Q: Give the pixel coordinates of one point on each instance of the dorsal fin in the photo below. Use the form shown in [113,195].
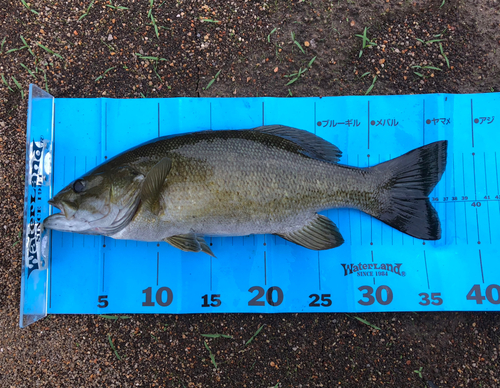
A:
[313,146]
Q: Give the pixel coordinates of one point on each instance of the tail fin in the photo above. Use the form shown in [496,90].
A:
[408,180]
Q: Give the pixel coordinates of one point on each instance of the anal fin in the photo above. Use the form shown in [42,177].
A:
[319,233]
[190,243]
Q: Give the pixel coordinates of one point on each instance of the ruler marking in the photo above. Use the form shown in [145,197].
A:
[371,218]
[423,123]
[158,119]
[74,176]
[381,224]
[465,207]
[360,218]
[263,112]
[50,272]
[157,267]
[350,227]
[455,195]
[368,125]
[349,211]
[371,230]
[498,187]
[105,127]
[426,271]
[372,262]
[103,262]
[314,125]
[481,264]
[211,273]
[446,177]
[488,202]
[211,115]
[472,121]
[319,273]
[445,225]
[474,173]
[265,269]
[475,194]
[64,168]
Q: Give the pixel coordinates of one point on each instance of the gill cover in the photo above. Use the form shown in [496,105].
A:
[98,203]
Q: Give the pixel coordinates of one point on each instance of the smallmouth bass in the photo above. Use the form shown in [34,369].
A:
[267,180]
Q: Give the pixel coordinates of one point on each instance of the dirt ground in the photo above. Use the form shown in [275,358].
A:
[97,48]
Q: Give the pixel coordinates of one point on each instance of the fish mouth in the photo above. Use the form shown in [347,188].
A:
[56,222]
[52,202]
[61,221]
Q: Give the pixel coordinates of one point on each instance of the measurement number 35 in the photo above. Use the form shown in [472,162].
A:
[435,297]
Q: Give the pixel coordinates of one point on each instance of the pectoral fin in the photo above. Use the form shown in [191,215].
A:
[318,234]
[153,183]
[190,243]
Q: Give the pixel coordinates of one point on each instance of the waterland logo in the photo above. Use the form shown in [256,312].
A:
[373,269]
[34,209]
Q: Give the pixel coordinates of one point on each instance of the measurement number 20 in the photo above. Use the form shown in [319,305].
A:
[270,296]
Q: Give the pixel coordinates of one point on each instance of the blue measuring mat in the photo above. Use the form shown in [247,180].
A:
[377,268]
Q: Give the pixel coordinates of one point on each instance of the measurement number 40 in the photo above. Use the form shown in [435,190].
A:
[476,294]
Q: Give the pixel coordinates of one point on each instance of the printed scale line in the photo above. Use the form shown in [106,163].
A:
[498,185]
[426,271]
[487,201]
[472,121]
[465,207]
[475,195]
[481,264]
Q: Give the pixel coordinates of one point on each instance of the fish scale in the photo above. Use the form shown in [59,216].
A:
[235,186]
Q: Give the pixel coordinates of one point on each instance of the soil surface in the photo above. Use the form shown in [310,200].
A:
[160,48]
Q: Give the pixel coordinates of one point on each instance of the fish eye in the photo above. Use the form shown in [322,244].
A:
[79,186]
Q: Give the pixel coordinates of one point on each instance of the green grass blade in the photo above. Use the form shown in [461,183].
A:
[292,81]
[434,41]
[212,357]
[433,68]
[28,70]
[269,36]
[371,86]
[299,46]
[255,335]
[311,61]
[444,55]
[213,80]
[113,347]
[16,49]
[217,336]
[367,323]
[17,83]
[50,51]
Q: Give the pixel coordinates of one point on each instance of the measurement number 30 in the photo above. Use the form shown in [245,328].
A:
[379,296]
